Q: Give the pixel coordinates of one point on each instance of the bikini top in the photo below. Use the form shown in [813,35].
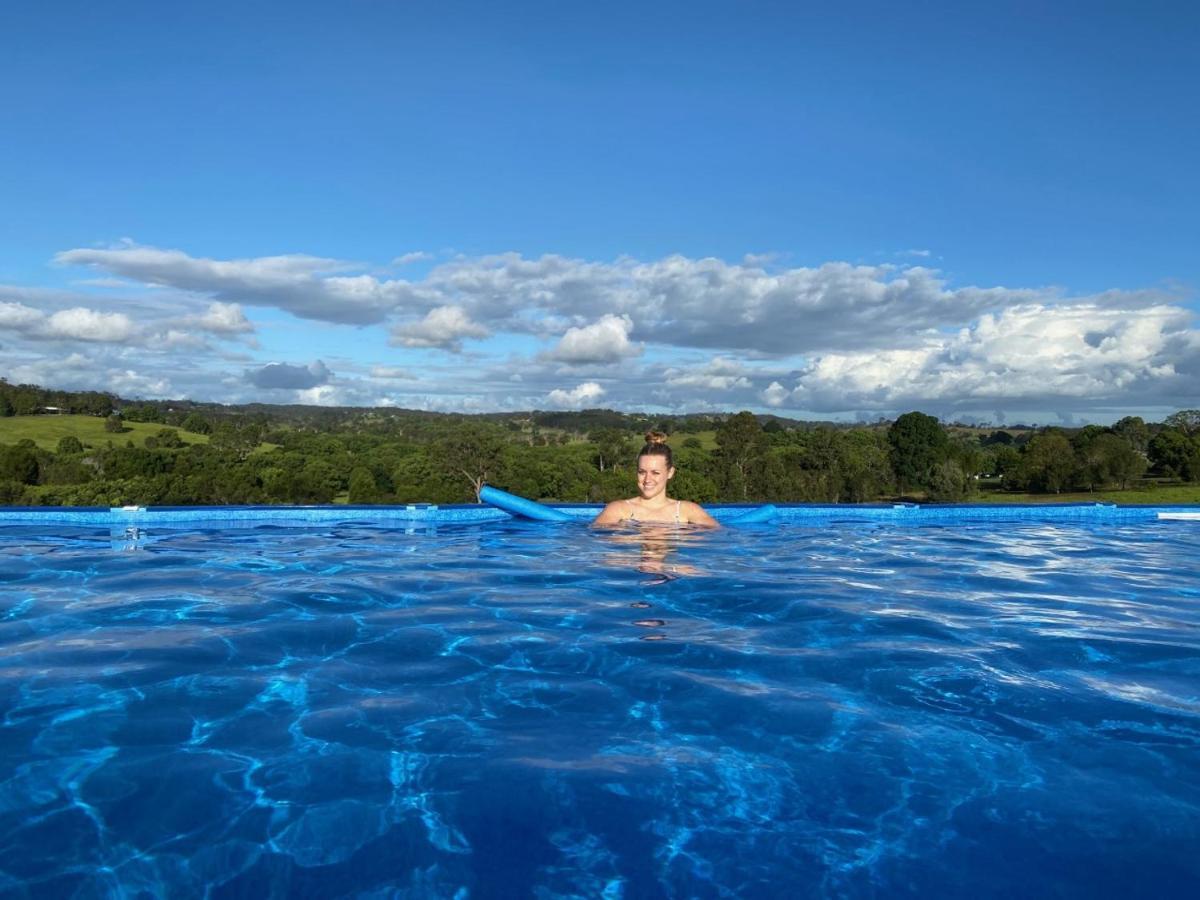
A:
[633,511]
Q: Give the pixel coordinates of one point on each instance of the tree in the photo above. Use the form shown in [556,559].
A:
[697,487]
[948,481]
[25,399]
[196,424]
[113,424]
[970,457]
[1176,454]
[143,412]
[362,486]
[1125,464]
[1191,468]
[164,439]
[68,445]
[1135,431]
[998,437]
[1005,462]
[473,450]
[1169,452]
[318,482]
[814,465]
[866,471]
[19,464]
[135,462]
[1047,462]
[238,441]
[66,472]
[740,440]
[612,447]
[1107,458]
[918,443]
[92,403]
[11,492]
[1186,420]
[6,407]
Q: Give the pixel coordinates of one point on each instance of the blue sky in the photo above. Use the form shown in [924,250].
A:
[823,210]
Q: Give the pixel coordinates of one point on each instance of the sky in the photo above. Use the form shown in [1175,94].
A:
[987,212]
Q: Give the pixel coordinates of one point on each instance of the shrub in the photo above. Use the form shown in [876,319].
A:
[19,464]
[68,445]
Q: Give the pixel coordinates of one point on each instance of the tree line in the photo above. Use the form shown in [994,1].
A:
[372,457]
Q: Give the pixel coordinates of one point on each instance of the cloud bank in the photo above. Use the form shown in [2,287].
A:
[674,334]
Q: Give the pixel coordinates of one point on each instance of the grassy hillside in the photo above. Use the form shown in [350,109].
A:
[45,431]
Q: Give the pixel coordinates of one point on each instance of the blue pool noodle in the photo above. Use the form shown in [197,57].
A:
[519,506]
[530,509]
[764,513]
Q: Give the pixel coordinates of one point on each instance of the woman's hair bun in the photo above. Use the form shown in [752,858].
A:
[655,437]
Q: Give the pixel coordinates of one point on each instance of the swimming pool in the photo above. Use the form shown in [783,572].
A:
[508,709]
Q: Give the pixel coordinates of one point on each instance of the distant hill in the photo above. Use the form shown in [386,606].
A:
[27,399]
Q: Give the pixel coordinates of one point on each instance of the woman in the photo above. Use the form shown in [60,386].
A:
[652,503]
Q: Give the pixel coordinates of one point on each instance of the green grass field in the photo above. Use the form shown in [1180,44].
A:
[1160,495]
[708,439]
[45,431]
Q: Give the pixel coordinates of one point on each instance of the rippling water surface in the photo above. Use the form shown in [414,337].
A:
[520,710]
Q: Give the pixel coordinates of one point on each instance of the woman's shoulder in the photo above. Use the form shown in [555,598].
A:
[618,504]
[694,513]
[614,511]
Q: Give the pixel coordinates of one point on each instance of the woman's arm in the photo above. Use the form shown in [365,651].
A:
[610,515]
[695,515]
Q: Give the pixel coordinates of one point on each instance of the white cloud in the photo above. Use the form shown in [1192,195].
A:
[443,327]
[721,374]
[306,286]
[48,296]
[222,319]
[410,258]
[835,339]
[577,397]
[174,339]
[57,371]
[775,394]
[19,317]
[75,324]
[392,372]
[1031,355]
[82,324]
[116,283]
[759,260]
[321,395]
[151,332]
[708,303]
[99,370]
[129,383]
[604,341]
[700,303]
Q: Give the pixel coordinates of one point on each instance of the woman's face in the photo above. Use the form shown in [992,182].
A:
[652,475]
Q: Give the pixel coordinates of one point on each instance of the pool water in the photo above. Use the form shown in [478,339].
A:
[521,710]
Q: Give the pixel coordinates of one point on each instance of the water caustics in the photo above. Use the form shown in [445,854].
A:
[508,709]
